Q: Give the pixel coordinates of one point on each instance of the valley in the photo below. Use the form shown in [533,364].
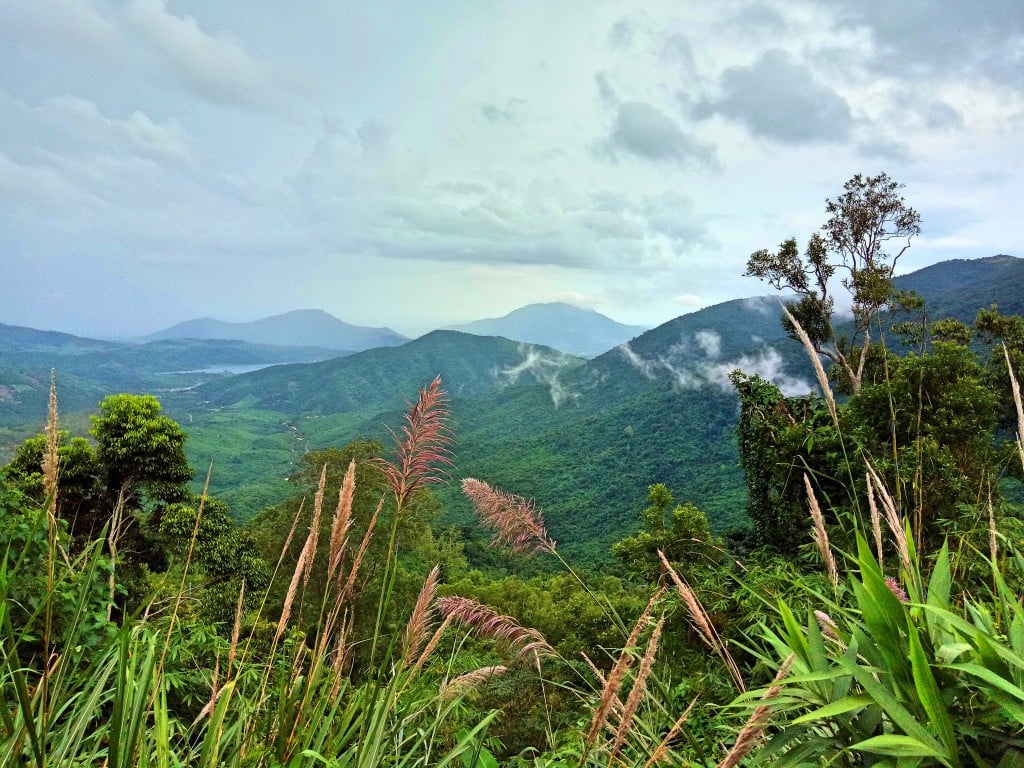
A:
[585,438]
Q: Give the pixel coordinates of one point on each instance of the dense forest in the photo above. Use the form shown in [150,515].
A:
[848,593]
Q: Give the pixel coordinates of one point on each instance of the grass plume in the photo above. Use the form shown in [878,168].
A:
[517,523]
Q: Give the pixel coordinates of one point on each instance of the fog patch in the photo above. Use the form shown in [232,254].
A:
[689,371]
[710,343]
[544,368]
[766,305]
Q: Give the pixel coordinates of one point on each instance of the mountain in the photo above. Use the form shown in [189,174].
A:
[300,328]
[17,339]
[960,287]
[384,377]
[585,438]
[88,369]
[581,332]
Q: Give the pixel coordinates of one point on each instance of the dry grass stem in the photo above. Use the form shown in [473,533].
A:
[293,586]
[876,522]
[236,629]
[820,535]
[422,448]
[993,548]
[700,621]
[754,728]
[467,681]
[432,644]
[51,457]
[819,370]
[342,519]
[636,693]
[314,527]
[892,519]
[517,523]
[1015,387]
[661,751]
[357,562]
[609,694]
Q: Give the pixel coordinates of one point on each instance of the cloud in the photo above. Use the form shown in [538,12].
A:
[509,112]
[687,371]
[622,33]
[710,343]
[963,38]
[158,141]
[606,91]
[354,200]
[70,24]
[218,68]
[646,132]
[575,298]
[766,305]
[780,99]
[760,17]
[884,149]
[689,300]
[545,368]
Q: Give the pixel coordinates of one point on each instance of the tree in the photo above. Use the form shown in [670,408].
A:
[680,531]
[80,480]
[141,452]
[868,219]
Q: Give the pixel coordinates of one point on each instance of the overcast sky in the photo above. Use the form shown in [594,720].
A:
[415,164]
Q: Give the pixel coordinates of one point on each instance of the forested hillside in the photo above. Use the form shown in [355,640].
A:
[580,612]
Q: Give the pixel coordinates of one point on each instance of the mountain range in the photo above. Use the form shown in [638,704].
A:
[574,330]
[299,328]
[585,438]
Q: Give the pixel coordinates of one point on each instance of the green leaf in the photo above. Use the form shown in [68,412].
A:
[844,705]
[941,580]
[895,745]
[900,716]
[928,692]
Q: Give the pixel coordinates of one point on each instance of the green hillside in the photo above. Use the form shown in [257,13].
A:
[584,438]
[960,287]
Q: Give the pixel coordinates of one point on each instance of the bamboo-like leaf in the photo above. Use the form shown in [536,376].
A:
[900,716]
[209,757]
[895,745]
[990,677]
[929,694]
[941,580]
[840,707]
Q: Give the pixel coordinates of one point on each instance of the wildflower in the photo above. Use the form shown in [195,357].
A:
[895,587]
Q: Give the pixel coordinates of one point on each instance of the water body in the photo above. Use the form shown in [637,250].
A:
[232,368]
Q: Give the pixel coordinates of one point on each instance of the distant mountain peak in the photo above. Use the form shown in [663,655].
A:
[556,324]
[299,327]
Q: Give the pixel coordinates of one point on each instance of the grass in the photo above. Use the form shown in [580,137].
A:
[893,665]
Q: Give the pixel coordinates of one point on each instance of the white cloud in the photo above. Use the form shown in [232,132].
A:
[159,141]
[544,368]
[689,300]
[216,67]
[686,372]
[710,343]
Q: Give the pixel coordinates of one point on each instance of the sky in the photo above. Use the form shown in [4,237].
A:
[418,164]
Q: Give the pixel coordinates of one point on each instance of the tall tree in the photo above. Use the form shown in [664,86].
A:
[869,228]
[141,451]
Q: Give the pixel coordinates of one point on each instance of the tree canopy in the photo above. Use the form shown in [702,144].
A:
[869,228]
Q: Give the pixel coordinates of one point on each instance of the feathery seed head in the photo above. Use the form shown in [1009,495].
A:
[517,523]
[422,448]
[522,641]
